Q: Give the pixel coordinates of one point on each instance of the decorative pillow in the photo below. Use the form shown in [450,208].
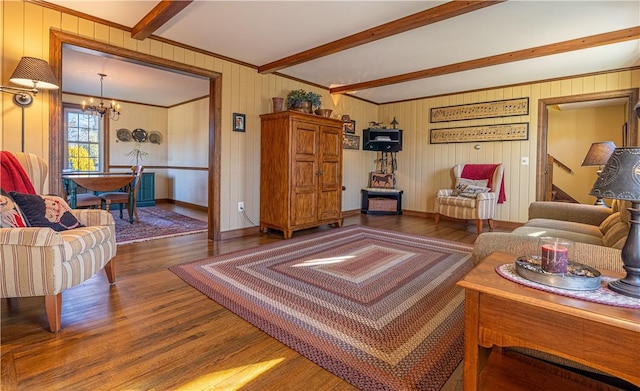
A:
[472,182]
[46,211]
[619,231]
[471,191]
[10,213]
[610,222]
[458,189]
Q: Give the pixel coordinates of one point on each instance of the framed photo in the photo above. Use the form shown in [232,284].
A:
[349,127]
[239,122]
[350,141]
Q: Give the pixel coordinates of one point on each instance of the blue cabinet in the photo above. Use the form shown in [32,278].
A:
[146,193]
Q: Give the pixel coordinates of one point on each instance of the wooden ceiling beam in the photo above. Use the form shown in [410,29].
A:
[420,19]
[623,35]
[159,15]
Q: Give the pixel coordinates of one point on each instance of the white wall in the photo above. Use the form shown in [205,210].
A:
[188,146]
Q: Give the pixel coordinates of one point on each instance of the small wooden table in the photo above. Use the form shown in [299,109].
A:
[99,182]
[499,312]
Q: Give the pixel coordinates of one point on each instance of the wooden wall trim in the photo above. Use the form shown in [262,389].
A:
[58,38]
[630,94]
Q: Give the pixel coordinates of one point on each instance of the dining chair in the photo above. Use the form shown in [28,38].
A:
[89,200]
[122,197]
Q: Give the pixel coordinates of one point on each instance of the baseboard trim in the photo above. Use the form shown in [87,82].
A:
[501,224]
[182,203]
[240,232]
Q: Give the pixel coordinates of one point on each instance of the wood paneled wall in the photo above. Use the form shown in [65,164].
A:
[25,32]
[424,168]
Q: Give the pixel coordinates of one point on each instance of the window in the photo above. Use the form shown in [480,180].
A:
[84,137]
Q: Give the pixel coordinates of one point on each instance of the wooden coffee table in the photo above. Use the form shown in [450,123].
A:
[502,313]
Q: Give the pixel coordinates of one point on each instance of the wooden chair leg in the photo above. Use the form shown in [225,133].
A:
[53,307]
[110,269]
[479,226]
[437,218]
[491,225]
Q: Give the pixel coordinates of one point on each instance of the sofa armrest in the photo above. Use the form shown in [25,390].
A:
[30,236]
[444,192]
[598,257]
[578,213]
[30,262]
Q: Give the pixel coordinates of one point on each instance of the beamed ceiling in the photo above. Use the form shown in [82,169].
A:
[379,51]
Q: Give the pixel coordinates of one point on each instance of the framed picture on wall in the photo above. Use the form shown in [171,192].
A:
[349,127]
[238,122]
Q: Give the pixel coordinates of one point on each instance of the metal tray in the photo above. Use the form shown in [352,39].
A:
[579,277]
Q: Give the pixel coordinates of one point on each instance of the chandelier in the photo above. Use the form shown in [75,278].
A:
[112,111]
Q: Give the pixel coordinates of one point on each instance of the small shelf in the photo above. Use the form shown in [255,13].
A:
[381,201]
[385,140]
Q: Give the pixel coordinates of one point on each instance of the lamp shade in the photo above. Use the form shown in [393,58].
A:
[599,153]
[620,178]
[34,73]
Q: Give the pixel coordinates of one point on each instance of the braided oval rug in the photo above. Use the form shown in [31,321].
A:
[379,309]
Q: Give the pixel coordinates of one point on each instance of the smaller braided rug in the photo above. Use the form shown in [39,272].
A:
[379,309]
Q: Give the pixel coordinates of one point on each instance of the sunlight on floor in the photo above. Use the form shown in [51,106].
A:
[230,379]
[324,261]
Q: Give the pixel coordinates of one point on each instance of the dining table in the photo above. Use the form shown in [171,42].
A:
[100,182]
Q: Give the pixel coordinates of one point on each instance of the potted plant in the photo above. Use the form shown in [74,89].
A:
[301,100]
[315,100]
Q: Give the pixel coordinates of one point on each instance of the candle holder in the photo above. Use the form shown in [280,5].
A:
[554,254]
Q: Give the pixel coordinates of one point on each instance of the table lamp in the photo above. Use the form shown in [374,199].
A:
[598,155]
[620,179]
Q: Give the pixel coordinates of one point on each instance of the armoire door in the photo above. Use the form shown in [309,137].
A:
[305,173]
[330,181]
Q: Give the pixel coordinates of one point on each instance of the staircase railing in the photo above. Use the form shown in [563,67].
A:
[551,161]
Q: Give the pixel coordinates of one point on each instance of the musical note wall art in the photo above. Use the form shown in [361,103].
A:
[498,108]
[468,134]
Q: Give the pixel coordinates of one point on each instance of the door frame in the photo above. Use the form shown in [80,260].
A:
[56,41]
[630,94]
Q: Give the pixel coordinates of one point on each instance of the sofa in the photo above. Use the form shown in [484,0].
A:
[598,233]
[44,261]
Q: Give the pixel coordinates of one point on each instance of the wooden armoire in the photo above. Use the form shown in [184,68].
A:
[300,171]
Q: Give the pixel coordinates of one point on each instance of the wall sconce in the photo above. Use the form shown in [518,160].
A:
[32,74]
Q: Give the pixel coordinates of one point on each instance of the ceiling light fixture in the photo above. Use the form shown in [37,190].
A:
[112,111]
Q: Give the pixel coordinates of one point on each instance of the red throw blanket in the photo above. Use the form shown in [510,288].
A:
[484,171]
[12,175]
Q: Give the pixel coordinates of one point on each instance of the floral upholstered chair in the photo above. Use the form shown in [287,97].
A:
[46,247]
[475,195]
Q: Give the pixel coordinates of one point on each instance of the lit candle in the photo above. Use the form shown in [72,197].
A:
[555,258]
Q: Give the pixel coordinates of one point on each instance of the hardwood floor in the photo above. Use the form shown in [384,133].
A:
[153,331]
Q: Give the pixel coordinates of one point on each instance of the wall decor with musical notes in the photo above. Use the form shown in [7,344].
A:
[469,134]
[498,108]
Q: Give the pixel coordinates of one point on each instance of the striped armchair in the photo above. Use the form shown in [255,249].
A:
[42,262]
[478,207]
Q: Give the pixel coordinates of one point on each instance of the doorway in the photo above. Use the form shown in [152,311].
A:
[631,97]
[56,144]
